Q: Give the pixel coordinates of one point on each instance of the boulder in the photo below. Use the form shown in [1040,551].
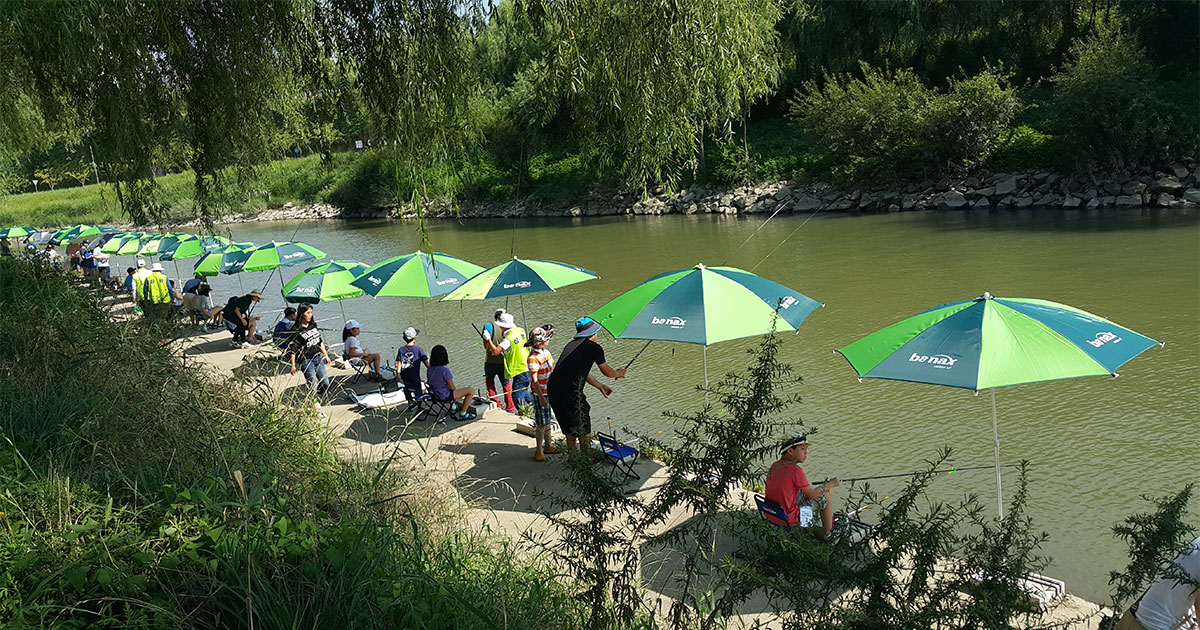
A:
[951,200]
[1007,186]
[783,193]
[1179,170]
[1192,195]
[1170,185]
[1024,201]
[1111,187]
[893,208]
[805,202]
[576,212]
[1129,200]
[1093,203]
[1053,178]
[691,209]
[1071,202]
[1134,188]
[986,192]
[741,201]
[725,200]
[983,203]
[1007,201]
[1046,200]
[1106,200]
[1164,200]
[908,202]
[842,204]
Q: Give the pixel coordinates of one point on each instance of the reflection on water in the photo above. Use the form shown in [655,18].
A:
[1094,444]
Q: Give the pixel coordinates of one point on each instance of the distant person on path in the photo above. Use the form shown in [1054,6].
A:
[571,371]
[103,268]
[1170,603]
[541,365]
[441,383]
[788,486]
[240,321]
[130,283]
[512,349]
[307,350]
[73,255]
[353,349]
[52,255]
[409,358]
[158,295]
[493,364]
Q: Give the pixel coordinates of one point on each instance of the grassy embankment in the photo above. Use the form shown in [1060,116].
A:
[358,180]
[135,492]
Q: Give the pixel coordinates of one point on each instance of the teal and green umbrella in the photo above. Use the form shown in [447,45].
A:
[325,282]
[180,247]
[991,342]
[270,256]
[519,277]
[76,232]
[151,246]
[418,274]
[209,264]
[128,243]
[16,232]
[704,305]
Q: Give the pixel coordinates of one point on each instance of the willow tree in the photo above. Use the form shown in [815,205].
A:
[644,81]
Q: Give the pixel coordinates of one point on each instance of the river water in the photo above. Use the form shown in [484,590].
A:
[1094,444]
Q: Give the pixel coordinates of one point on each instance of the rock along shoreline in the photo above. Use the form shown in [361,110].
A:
[1179,188]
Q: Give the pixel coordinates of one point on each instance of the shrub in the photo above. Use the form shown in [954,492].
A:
[888,125]
[1106,106]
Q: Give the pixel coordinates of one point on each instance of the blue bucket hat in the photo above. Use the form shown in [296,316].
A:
[586,327]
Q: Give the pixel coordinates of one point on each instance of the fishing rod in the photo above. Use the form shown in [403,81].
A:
[639,353]
[785,239]
[755,232]
[913,474]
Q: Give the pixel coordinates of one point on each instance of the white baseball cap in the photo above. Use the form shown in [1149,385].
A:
[410,333]
[353,324]
[156,267]
[141,262]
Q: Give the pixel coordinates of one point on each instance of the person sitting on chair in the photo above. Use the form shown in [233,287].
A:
[788,486]
[284,327]
[441,383]
[409,358]
[1170,602]
[354,350]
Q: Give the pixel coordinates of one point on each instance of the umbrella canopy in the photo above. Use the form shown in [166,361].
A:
[270,256]
[151,246]
[76,232]
[325,282]
[704,305]
[127,243]
[179,247]
[418,274]
[210,263]
[16,232]
[990,342]
[518,277]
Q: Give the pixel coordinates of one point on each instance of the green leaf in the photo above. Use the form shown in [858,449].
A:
[77,576]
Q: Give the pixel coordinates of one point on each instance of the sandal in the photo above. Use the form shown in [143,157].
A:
[463,416]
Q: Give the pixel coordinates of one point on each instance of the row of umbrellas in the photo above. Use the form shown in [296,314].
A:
[977,344]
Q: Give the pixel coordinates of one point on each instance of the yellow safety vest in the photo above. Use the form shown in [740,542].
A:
[139,283]
[517,354]
[158,290]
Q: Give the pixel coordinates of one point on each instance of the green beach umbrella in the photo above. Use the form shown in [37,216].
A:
[150,246]
[418,274]
[76,232]
[209,264]
[704,305]
[189,246]
[126,243]
[519,277]
[269,256]
[324,283]
[16,232]
[991,342]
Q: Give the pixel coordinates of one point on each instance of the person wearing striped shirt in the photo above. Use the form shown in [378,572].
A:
[541,364]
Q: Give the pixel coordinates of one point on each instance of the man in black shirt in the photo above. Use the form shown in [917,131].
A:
[243,324]
[571,371]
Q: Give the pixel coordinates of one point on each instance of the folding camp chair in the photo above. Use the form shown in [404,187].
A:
[425,406]
[767,507]
[621,455]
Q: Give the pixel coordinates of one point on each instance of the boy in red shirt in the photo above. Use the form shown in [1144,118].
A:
[786,483]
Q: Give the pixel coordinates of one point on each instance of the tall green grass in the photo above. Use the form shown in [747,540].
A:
[137,492]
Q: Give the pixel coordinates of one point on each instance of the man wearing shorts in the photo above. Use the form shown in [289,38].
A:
[788,486]
[566,383]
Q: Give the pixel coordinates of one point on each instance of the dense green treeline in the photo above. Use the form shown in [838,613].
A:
[540,97]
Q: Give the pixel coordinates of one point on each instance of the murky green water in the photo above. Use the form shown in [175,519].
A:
[1095,444]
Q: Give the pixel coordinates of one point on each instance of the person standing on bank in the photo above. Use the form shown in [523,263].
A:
[493,364]
[541,366]
[565,385]
[788,486]
[307,348]
[515,354]
[158,294]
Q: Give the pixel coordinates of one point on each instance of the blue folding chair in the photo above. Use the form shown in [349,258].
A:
[424,405]
[621,455]
[767,507]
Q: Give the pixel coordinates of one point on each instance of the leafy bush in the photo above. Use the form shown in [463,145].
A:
[1105,96]
[886,126]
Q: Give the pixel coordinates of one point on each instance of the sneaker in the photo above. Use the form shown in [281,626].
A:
[551,450]
[245,345]
[539,456]
[254,341]
[463,416]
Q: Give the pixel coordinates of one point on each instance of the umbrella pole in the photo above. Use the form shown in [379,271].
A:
[996,439]
[241,289]
[424,318]
[343,310]
[524,320]
[705,351]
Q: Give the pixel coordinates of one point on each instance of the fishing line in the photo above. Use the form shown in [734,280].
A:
[764,224]
[785,239]
[913,474]
[639,353]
